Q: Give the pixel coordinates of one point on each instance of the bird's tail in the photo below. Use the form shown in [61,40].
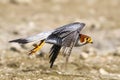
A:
[54,53]
[21,41]
[38,37]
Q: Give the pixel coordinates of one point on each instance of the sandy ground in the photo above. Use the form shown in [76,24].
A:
[22,18]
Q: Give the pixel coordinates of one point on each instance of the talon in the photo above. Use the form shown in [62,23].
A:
[37,47]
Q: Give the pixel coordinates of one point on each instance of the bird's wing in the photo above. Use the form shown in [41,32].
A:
[65,33]
[38,37]
[69,39]
[69,27]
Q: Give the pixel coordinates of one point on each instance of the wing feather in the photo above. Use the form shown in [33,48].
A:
[66,32]
[54,53]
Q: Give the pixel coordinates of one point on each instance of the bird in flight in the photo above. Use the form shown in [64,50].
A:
[65,37]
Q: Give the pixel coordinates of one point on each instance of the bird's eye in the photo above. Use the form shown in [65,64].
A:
[87,39]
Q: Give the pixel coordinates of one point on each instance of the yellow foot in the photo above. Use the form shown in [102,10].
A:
[37,47]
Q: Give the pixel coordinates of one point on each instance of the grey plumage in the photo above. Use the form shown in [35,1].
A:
[65,33]
[65,36]
[38,37]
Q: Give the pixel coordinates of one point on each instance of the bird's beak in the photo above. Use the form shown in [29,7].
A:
[91,41]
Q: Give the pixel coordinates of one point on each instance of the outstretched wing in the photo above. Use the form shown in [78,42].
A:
[66,33]
[38,37]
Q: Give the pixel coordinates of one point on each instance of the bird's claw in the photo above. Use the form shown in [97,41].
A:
[37,47]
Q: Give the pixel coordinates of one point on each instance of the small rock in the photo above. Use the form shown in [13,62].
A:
[84,55]
[103,72]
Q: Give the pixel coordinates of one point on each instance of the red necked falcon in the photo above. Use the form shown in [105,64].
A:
[65,37]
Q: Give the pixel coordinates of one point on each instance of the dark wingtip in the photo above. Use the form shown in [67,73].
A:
[21,41]
[53,54]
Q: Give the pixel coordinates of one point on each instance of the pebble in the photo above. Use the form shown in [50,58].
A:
[84,55]
[103,72]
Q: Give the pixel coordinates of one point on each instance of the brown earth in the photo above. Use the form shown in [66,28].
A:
[22,18]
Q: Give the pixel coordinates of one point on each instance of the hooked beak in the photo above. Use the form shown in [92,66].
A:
[90,42]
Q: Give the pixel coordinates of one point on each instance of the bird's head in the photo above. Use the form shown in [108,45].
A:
[85,39]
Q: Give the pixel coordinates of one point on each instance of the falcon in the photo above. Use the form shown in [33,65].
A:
[65,37]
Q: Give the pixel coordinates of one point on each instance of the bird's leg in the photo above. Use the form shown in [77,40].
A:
[37,47]
[68,54]
[64,50]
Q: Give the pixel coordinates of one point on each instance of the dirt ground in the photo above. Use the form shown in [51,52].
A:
[22,18]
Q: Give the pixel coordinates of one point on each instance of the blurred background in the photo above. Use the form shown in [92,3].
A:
[23,18]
